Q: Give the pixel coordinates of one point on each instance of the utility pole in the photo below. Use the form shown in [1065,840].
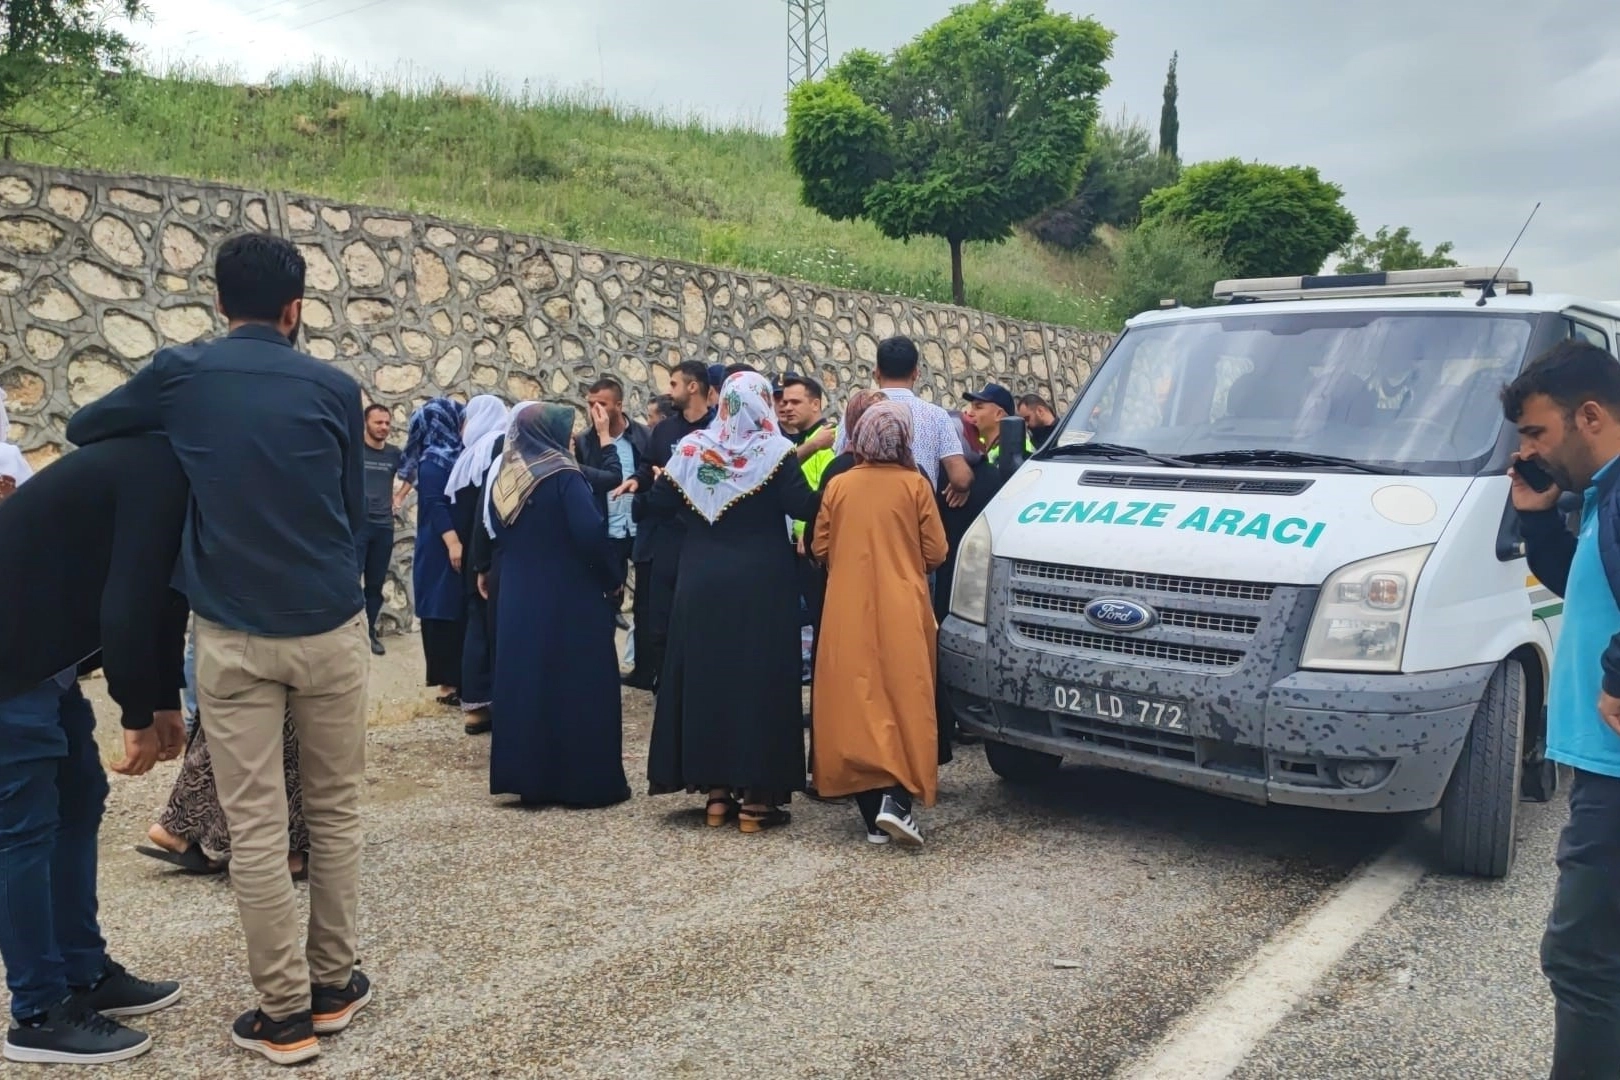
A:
[807,40]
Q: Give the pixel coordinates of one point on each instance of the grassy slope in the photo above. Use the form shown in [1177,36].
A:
[556,167]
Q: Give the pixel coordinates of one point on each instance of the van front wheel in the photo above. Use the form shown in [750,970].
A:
[1480,809]
[1018,765]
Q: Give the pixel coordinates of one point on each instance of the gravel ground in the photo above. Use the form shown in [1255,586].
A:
[635,942]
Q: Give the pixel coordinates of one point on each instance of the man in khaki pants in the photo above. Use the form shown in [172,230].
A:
[272,442]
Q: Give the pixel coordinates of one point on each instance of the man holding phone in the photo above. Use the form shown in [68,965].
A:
[1566,406]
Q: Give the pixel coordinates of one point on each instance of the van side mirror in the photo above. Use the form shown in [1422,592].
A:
[1012,442]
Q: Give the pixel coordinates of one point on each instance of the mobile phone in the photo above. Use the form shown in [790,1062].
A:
[1531,472]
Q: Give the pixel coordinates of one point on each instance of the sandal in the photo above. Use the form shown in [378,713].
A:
[720,811]
[478,722]
[753,821]
[451,700]
[190,861]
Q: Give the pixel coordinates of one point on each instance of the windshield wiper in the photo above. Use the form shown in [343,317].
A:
[1272,456]
[1112,450]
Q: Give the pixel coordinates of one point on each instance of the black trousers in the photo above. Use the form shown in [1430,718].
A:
[1580,953]
[870,802]
[374,549]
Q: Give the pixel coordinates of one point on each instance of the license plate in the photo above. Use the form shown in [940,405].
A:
[1119,708]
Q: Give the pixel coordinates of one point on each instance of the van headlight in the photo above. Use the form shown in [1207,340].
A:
[1362,614]
[970,589]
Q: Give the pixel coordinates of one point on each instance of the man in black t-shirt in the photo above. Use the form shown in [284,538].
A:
[374,545]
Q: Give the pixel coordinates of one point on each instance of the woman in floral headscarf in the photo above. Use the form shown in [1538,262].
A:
[879,532]
[431,450]
[729,718]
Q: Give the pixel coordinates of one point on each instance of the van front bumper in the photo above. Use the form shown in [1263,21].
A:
[1369,743]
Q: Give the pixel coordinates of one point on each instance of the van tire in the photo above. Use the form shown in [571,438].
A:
[1479,811]
[1016,765]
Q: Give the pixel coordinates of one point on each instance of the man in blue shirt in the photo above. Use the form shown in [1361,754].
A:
[1566,406]
[272,442]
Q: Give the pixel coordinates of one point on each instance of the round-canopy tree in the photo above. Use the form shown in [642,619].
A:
[978,124]
[1265,220]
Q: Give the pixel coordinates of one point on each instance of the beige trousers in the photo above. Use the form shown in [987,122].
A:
[245,685]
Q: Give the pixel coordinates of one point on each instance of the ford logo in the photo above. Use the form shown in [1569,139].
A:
[1113,613]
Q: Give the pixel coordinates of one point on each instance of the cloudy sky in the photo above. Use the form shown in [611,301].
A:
[1452,118]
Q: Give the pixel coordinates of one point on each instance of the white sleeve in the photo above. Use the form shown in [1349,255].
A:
[14,465]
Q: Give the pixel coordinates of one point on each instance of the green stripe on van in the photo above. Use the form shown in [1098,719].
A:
[1549,611]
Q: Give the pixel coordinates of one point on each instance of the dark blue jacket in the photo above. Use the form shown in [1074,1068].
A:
[1549,548]
[434,582]
[271,441]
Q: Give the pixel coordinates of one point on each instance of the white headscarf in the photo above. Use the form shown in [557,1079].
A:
[484,422]
[12,463]
[495,466]
[734,456]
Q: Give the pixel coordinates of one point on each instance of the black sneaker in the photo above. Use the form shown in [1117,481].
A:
[899,823]
[121,994]
[285,1042]
[377,646]
[334,1007]
[70,1034]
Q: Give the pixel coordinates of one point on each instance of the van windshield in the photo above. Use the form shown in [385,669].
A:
[1415,391]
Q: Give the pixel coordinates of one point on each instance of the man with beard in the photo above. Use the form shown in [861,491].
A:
[689,389]
[1566,406]
[1040,419]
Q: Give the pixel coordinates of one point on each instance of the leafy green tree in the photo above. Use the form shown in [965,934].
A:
[976,125]
[1392,251]
[1169,117]
[1168,261]
[60,56]
[1120,170]
[1265,220]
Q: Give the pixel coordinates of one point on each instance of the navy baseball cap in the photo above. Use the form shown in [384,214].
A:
[717,376]
[995,394]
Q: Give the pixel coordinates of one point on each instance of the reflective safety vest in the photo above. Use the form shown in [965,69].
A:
[813,467]
[995,451]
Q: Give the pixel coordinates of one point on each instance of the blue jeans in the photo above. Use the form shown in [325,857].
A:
[52,794]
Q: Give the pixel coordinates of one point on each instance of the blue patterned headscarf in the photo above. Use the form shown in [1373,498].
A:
[435,435]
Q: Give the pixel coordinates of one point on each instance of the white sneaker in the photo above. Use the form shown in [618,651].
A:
[899,824]
[878,837]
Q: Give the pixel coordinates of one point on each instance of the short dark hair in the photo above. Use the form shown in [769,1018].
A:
[740,367]
[607,382]
[810,385]
[695,370]
[1035,401]
[664,404]
[257,276]
[1571,373]
[897,358]
[377,408]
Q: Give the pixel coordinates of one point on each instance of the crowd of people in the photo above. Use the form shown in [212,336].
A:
[219,546]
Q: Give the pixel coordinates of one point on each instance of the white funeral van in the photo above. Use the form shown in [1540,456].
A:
[1270,554]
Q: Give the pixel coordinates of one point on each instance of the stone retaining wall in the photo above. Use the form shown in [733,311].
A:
[98,271]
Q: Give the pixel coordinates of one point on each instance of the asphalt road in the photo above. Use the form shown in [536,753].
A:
[1053,933]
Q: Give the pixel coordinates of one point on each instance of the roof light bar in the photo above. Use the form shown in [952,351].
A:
[1381,283]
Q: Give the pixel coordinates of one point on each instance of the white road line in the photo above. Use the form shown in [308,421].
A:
[1213,1040]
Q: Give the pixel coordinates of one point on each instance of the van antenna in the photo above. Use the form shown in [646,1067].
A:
[1490,286]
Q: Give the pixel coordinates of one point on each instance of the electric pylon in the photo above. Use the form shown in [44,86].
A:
[807,40]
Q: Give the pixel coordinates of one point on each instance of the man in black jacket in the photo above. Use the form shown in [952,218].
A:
[608,451]
[689,389]
[86,551]
[272,442]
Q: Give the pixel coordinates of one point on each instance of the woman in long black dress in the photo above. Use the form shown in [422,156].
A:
[431,450]
[558,735]
[481,431]
[728,717]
